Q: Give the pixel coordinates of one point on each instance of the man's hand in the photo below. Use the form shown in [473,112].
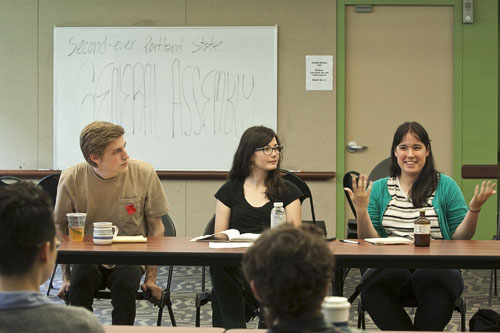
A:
[156,292]
[63,292]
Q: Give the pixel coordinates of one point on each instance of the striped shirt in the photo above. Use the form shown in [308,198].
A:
[400,215]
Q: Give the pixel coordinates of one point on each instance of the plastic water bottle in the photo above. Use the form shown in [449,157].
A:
[278,215]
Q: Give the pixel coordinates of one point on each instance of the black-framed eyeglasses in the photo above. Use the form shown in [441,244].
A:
[267,150]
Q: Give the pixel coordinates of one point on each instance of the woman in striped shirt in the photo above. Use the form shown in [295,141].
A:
[389,207]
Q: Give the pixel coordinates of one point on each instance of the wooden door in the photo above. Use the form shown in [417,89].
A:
[399,67]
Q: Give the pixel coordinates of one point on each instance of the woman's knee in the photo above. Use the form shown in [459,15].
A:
[448,280]
[390,283]
[390,279]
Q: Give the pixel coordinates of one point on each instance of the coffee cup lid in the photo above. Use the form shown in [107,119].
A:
[336,301]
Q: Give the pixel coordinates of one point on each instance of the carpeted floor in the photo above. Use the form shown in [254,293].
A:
[187,281]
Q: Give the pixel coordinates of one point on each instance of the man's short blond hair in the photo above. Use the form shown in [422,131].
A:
[96,136]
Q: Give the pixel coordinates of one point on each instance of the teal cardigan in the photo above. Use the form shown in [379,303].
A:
[449,204]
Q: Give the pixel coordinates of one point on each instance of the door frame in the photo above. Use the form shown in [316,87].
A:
[340,67]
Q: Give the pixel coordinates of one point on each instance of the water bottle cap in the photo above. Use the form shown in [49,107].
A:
[278,204]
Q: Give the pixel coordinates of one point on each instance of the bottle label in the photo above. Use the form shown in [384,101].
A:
[422,229]
[278,217]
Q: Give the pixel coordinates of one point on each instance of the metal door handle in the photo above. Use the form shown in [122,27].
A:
[353,147]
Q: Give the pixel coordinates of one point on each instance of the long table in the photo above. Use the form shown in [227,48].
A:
[479,254]
[157,251]
[476,254]
[164,329]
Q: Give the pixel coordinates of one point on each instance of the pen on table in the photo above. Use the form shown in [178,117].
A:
[349,241]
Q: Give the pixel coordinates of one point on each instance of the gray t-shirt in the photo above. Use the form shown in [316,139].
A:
[25,311]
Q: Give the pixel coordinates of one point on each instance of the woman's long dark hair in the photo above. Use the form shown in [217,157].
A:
[253,138]
[426,182]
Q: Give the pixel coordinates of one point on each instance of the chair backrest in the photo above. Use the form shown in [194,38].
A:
[347,183]
[381,170]
[7,180]
[306,192]
[210,228]
[320,224]
[49,184]
[169,226]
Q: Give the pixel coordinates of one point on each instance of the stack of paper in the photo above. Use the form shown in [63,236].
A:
[229,245]
[389,241]
[130,239]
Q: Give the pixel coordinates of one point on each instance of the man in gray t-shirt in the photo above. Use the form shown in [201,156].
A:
[29,251]
[111,187]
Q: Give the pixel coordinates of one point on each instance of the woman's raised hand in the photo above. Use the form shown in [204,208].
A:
[481,195]
[360,193]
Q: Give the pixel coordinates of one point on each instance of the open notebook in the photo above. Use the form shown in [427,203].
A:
[230,235]
[389,241]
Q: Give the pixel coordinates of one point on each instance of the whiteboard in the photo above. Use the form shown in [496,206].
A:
[183,95]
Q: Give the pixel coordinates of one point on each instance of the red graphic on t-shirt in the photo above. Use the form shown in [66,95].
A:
[131,209]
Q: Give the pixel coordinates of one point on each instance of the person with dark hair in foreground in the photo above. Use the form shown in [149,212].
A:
[289,270]
[27,258]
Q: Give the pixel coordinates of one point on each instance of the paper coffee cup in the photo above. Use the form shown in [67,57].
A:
[336,310]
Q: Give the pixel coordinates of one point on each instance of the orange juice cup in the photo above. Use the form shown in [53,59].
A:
[76,226]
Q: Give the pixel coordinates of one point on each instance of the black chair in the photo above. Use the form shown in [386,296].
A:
[166,300]
[352,225]
[49,184]
[204,296]
[7,180]
[493,274]
[381,170]
[493,279]
[306,192]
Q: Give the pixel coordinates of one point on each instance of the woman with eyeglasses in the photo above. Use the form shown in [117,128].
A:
[244,203]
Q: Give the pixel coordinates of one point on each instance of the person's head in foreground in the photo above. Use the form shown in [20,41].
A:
[289,270]
[103,146]
[27,235]
[27,258]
